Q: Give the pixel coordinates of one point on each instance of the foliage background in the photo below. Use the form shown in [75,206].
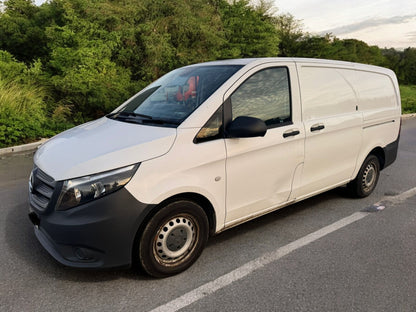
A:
[69,61]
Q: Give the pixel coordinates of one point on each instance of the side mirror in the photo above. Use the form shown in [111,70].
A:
[246,127]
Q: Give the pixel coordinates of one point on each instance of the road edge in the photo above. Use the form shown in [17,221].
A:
[24,148]
[408,116]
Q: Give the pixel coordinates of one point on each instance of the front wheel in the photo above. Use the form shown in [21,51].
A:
[367,178]
[173,239]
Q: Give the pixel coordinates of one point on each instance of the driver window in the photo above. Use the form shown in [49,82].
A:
[265,95]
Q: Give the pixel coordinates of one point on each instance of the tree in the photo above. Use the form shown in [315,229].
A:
[84,77]
[315,46]
[392,59]
[22,28]
[407,66]
[290,32]
[248,32]
[178,33]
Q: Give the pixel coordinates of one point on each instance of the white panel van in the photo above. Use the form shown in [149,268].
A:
[207,147]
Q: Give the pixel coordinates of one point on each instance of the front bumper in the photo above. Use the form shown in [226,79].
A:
[98,234]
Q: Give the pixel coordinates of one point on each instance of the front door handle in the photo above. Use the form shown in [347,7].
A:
[290,133]
[317,127]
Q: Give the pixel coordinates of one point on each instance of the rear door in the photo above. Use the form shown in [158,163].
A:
[261,170]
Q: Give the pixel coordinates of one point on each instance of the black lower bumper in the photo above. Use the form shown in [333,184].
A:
[98,234]
[390,152]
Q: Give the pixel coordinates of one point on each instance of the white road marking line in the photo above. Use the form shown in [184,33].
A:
[398,198]
[249,267]
[244,270]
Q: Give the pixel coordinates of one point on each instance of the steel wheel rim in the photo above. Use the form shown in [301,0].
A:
[369,177]
[175,239]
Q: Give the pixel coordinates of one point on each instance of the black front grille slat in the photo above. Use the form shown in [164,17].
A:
[40,201]
[42,176]
[43,189]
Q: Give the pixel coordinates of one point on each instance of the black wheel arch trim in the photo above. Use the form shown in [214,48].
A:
[194,197]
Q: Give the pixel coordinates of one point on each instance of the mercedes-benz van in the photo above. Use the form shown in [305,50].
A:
[207,147]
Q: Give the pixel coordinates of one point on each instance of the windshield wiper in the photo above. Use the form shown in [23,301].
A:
[124,115]
[141,118]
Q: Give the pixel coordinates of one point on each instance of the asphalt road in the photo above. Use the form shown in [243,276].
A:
[365,262]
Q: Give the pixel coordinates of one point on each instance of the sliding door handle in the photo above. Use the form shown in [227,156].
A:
[317,127]
[290,133]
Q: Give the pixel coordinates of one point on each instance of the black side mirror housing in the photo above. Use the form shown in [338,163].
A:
[246,127]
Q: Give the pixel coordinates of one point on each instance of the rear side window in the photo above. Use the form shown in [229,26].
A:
[326,92]
[265,95]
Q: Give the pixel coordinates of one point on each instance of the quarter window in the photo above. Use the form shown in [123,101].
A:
[265,95]
[212,130]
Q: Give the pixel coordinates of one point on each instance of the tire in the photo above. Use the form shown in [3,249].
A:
[173,239]
[367,178]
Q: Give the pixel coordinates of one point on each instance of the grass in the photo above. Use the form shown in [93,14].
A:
[408,95]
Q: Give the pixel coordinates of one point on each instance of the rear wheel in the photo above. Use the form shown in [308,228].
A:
[173,239]
[367,178]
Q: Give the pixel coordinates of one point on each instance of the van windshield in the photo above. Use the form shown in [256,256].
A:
[171,99]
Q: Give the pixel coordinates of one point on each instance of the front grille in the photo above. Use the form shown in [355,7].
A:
[42,187]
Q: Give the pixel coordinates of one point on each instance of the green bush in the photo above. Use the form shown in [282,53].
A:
[10,69]
[22,113]
[408,95]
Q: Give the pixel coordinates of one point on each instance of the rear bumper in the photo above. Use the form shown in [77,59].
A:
[390,152]
[99,234]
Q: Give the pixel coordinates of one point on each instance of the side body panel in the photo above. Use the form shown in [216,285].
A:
[187,168]
[261,170]
[379,102]
[245,178]
[333,127]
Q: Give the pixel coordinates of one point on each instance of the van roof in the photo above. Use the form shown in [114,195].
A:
[253,61]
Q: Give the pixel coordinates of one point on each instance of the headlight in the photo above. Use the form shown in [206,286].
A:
[81,190]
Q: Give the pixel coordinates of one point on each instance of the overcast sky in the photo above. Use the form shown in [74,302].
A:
[386,23]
